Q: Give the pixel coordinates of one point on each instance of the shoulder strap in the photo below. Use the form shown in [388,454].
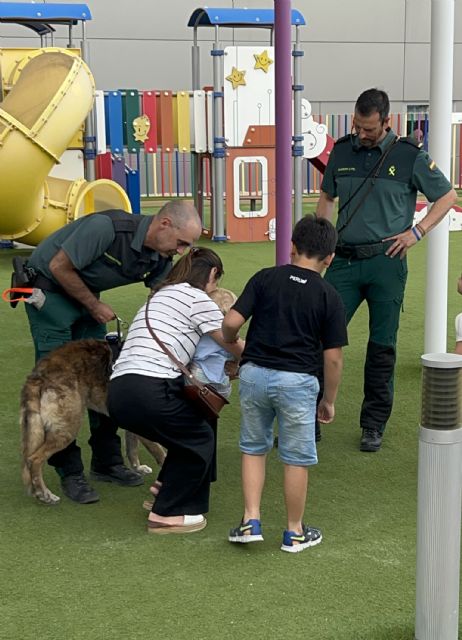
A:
[412,141]
[167,351]
[121,220]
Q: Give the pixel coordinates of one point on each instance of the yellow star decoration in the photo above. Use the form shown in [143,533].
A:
[263,61]
[236,78]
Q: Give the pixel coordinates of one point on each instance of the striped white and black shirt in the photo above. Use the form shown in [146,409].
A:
[180,315]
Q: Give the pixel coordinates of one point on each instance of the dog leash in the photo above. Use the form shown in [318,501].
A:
[120,324]
[116,337]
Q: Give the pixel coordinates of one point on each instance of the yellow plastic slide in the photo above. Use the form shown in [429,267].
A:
[50,99]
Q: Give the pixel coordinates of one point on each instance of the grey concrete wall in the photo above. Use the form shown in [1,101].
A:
[348,46]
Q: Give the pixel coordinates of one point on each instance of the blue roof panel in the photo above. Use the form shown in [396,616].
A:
[49,13]
[208,17]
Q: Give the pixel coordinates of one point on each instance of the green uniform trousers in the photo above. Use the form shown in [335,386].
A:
[380,281]
[61,320]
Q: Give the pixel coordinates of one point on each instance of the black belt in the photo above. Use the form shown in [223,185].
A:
[44,283]
[362,251]
[25,276]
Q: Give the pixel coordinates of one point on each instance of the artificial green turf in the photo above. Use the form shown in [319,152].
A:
[92,572]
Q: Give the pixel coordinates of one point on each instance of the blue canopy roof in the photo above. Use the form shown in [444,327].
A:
[25,12]
[209,17]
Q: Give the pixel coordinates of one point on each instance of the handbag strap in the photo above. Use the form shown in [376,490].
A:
[167,351]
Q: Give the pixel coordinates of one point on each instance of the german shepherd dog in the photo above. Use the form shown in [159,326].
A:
[54,398]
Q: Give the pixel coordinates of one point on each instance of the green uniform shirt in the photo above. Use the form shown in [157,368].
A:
[86,241]
[389,207]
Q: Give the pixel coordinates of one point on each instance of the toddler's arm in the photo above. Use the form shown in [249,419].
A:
[234,348]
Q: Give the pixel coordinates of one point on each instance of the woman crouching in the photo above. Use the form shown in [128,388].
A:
[145,391]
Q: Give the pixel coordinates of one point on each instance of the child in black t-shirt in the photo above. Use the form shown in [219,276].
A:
[294,314]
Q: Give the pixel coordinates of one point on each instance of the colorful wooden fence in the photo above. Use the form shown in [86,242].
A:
[150,136]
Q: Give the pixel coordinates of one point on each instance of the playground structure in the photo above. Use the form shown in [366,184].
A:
[243,122]
[49,132]
[47,95]
[226,133]
[214,143]
[228,130]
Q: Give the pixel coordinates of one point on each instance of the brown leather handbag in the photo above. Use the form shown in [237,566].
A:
[205,398]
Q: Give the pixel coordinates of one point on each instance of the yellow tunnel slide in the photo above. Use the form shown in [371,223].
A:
[50,99]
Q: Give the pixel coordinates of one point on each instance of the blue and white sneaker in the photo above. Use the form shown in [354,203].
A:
[296,542]
[249,531]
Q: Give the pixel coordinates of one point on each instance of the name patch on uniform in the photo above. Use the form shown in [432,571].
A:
[346,169]
[297,279]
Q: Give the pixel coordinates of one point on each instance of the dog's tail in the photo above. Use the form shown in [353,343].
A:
[32,427]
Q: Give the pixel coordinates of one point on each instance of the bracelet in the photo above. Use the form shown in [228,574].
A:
[421,229]
[416,233]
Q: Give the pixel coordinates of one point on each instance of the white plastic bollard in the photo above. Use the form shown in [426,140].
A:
[439,499]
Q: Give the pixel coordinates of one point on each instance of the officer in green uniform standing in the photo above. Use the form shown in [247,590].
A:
[68,270]
[376,176]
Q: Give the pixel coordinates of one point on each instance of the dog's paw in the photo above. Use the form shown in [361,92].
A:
[48,498]
[143,468]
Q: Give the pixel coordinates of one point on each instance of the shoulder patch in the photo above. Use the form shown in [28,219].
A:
[412,141]
[346,138]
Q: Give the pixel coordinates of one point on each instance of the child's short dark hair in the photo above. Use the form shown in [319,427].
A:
[314,237]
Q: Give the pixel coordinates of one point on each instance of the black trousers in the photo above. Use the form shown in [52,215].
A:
[380,281]
[156,409]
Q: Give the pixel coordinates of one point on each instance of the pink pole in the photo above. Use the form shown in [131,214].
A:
[283,88]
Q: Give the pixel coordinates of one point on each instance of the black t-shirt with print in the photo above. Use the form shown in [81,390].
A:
[294,314]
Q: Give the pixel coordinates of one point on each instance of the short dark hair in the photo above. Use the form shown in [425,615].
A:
[314,237]
[194,268]
[373,100]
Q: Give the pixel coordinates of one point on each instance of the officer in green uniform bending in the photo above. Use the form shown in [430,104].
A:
[71,267]
[376,176]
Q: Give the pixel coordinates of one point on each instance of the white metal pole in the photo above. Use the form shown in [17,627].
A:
[441,79]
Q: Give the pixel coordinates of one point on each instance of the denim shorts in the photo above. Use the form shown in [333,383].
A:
[266,394]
